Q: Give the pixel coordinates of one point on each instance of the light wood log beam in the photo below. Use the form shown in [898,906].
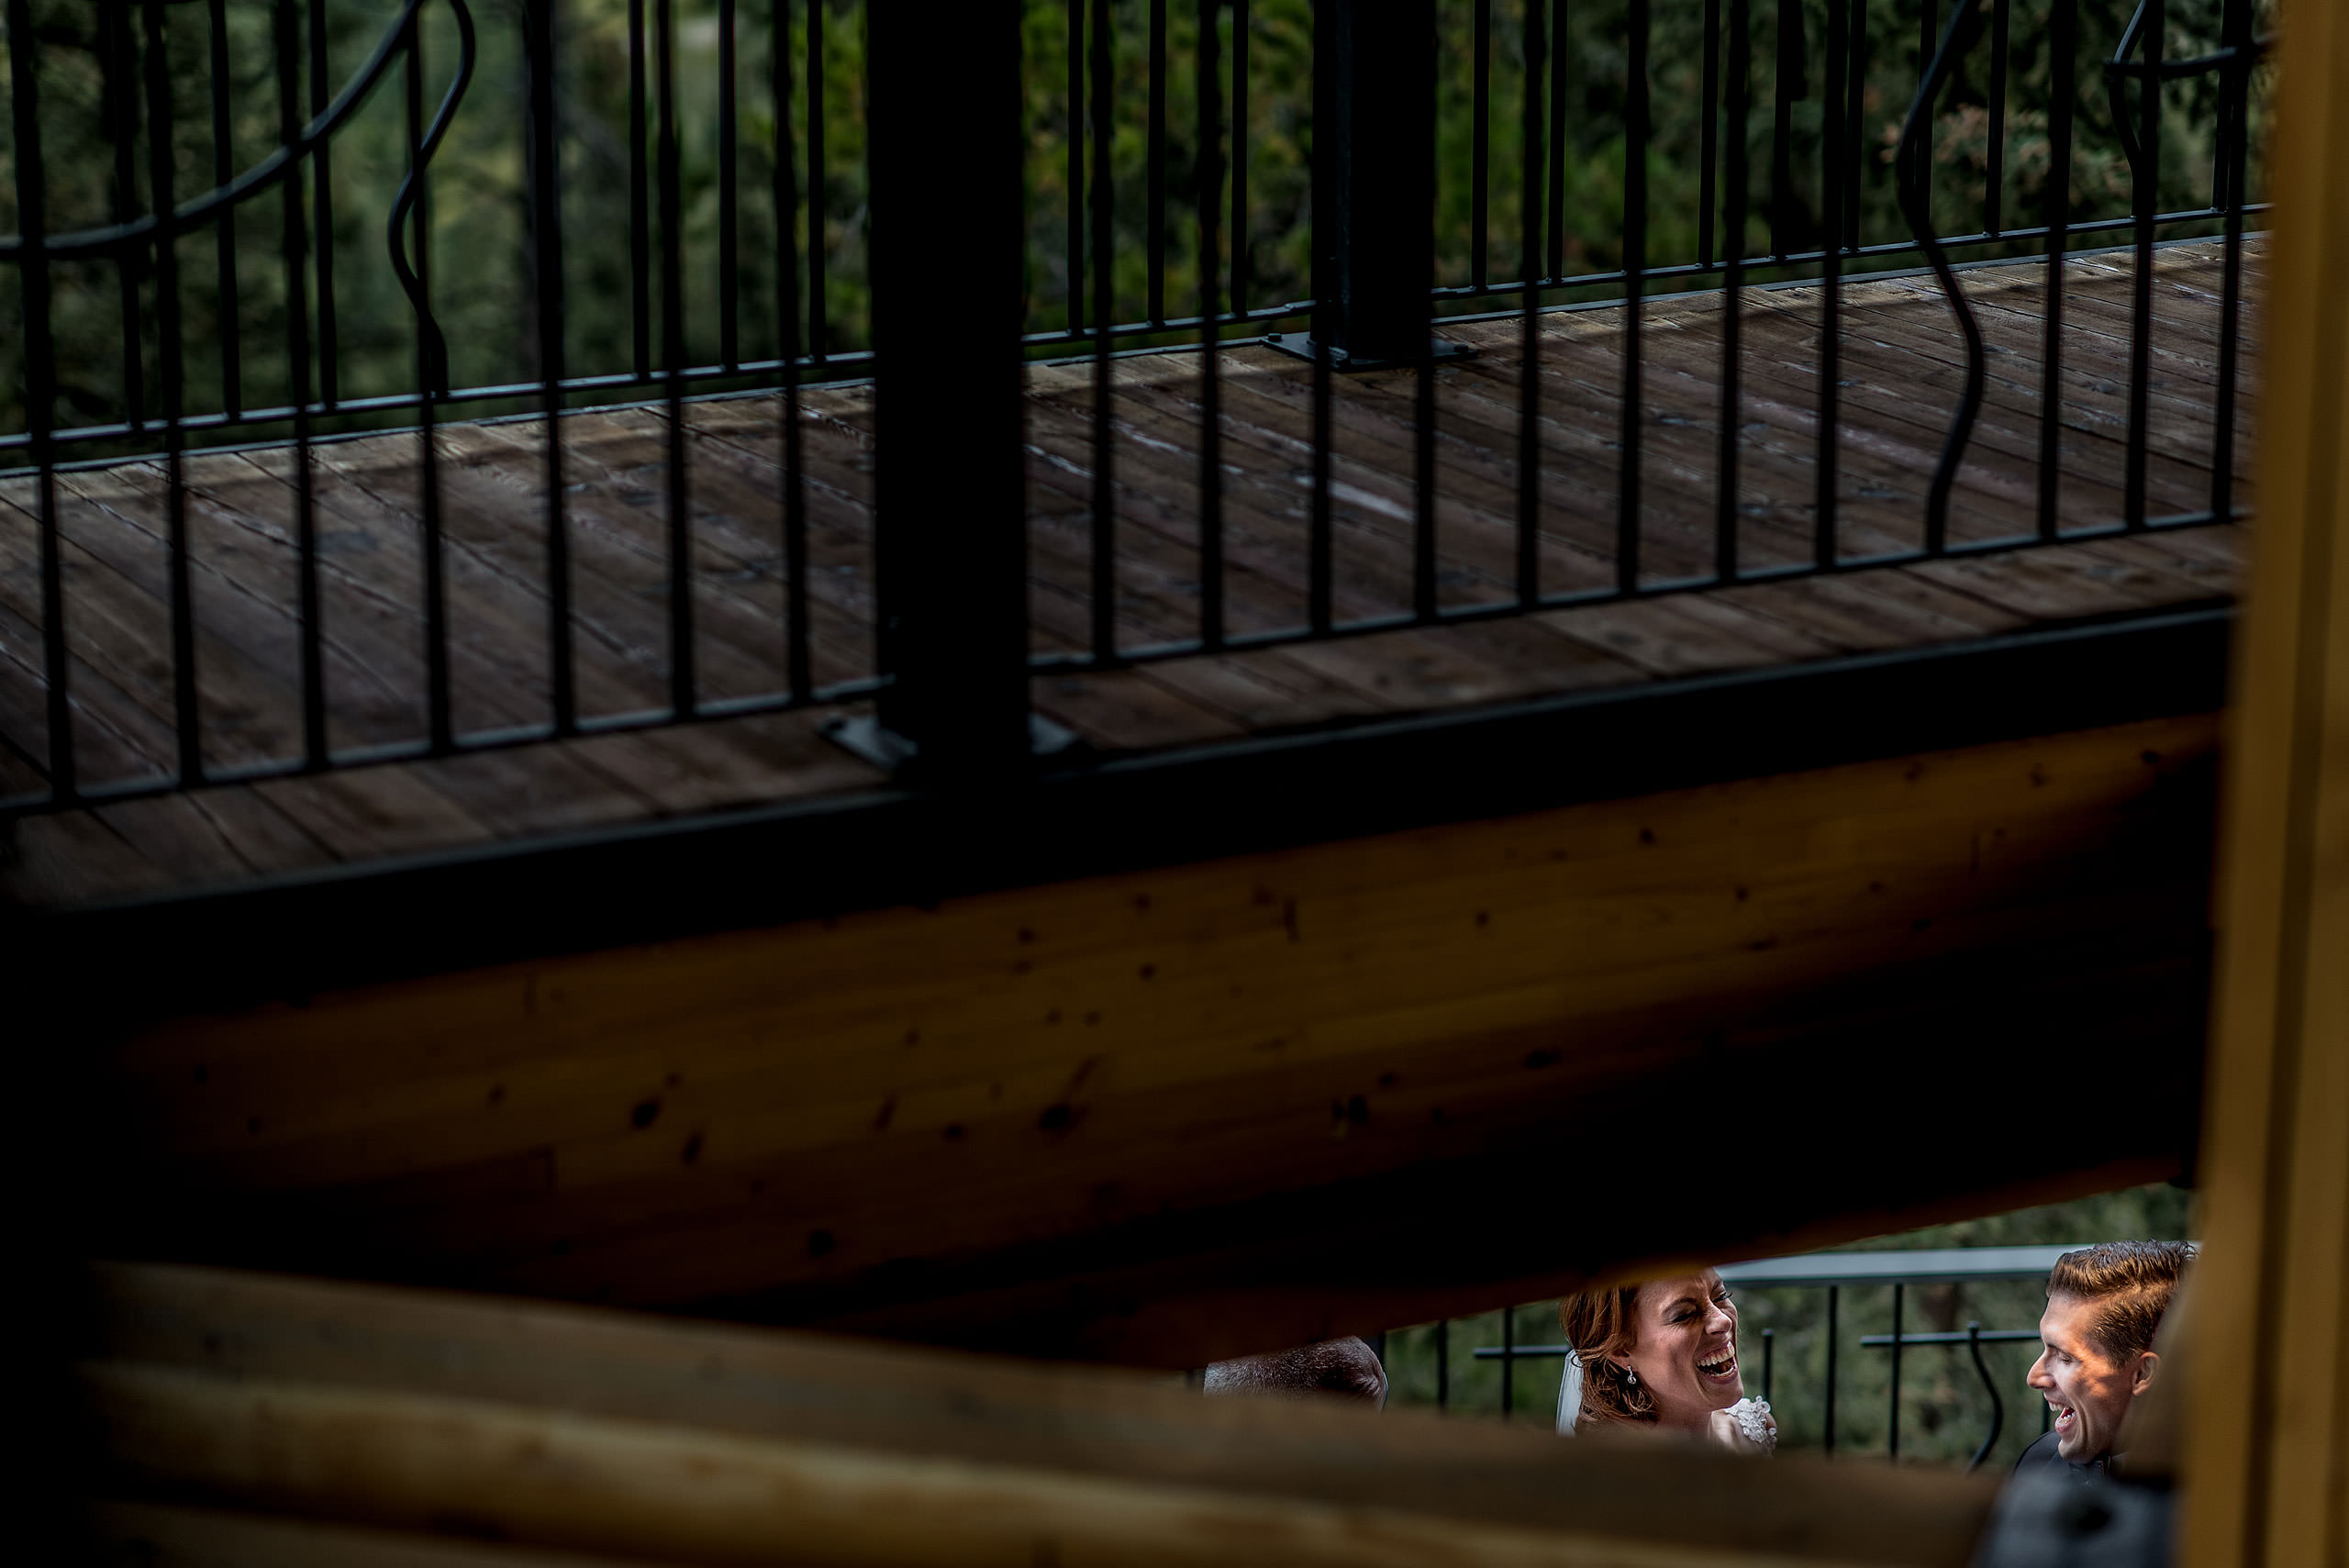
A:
[165,1535]
[2266,1429]
[1178,1113]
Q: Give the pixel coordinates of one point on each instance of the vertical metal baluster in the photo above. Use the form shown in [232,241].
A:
[1769,1360]
[435,606]
[1928,35]
[1529,415]
[1558,63]
[2062,28]
[1154,209]
[1318,596]
[1825,502]
[1481,156]
[1423,523]
[40,387]
[1900,1300]
[322,211]
[297,380]
[1320,610]
[1240,157]
[1423,475]
[1635,261]
[729,331]
[119,53]
[1444,1365]
[673,365]
[798,661]
[2146,200]
[1206,182]
[1708,152]
[1105,495]
[224,167]
[187,720]
[818,244]
[1508,1362]
[1995,175]
[1833,1295]
[543,173]
[1855,106]
[1741,105]
[2235,138]
[639,198]
[1075,163]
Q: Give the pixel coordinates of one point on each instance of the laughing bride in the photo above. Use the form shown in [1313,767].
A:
[1662,1355]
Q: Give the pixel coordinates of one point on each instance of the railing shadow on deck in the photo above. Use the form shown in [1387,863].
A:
[696,200]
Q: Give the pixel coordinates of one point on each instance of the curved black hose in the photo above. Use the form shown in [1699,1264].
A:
[2116,84]
[140,232]
[404,203]
[1997,1405]
[2117,69]
[1915,172]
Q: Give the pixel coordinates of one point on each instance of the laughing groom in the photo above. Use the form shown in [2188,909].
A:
[2097,1351]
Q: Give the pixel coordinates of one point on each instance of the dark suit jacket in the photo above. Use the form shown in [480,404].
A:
[2042,1456]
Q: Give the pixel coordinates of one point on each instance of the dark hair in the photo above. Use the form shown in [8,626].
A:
[1601,1324]
[2129,1285]
[1347,1368]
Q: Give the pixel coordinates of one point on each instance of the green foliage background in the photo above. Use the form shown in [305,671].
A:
[1944,1412]
[480,245]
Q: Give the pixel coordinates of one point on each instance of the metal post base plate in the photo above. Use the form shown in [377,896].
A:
[1305,348]
[864,737]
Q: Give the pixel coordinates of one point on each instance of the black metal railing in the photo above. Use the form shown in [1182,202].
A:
[693,199]
[1827,1276]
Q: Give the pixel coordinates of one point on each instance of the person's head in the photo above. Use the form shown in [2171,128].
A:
[1664,1351]
[2096,1338]
[1346,1369]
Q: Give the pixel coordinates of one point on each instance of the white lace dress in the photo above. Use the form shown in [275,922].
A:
[1752,1415]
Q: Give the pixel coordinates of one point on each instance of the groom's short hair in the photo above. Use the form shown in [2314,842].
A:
[1348,1368]
[2129,1285]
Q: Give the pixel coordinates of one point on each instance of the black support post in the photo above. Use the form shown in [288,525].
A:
[950,556]
[1374,182]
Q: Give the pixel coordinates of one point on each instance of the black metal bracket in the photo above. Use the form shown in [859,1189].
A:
[1373,185]
[949,539]
[1302,346]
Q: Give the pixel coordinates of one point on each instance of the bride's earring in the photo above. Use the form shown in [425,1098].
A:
[1632,1376]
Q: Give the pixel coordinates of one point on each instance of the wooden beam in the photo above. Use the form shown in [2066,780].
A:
[2266,1433]
[164,1535]
[552,1428]
[1172,1114]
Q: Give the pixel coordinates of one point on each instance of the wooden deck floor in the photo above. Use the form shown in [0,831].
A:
[1901,370]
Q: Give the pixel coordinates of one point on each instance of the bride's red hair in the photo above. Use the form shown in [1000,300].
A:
[1600,1324]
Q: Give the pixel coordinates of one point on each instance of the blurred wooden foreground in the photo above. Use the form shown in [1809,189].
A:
[256,1421]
